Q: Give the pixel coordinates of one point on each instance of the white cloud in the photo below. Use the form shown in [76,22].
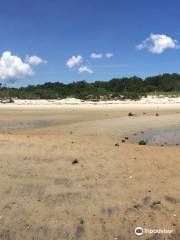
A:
[158,43]
[85,69]
[96,55]
[109,55]
[74,61]
[13,68]
[35,60]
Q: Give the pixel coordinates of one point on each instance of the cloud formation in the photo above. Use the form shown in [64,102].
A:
[85,69]
[78,62]
[158,43]
[109,55]
[35,60]
[96,55]
[13,68]
[74,61]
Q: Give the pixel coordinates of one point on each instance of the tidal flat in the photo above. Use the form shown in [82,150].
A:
[65,172]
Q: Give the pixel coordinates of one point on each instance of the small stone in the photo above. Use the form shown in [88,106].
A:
[142,142]
[156,204]
[27,226]
[130,114]
[116,145]
[75,161]
[123,140]
[137,206]
[157,114]
[81,221]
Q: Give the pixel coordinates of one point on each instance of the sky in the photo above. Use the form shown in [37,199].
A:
[68,40]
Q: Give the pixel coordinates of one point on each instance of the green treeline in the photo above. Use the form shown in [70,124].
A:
[118,88]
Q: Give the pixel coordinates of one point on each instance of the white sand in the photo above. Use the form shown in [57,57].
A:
[150,102]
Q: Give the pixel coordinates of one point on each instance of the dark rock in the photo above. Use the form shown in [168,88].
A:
[142,142]
[123,141]
[75,161]
[117,144]
[137,206]
[130,114]
[81,221]
[157,114]
[156,204]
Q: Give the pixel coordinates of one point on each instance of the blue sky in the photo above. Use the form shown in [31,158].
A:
[142,36]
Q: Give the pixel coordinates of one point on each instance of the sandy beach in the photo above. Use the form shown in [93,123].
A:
[66,173]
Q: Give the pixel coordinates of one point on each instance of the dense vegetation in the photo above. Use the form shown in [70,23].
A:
[119,88]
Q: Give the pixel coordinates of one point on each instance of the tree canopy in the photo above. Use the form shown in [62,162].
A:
[133,87]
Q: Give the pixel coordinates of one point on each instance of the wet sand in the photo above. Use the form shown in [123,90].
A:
[74,178]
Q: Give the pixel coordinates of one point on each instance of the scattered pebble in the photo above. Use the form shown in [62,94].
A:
[123,141]
[81,221]
[142,142]
[137,206]
[117,144]
[156,204]
[75,161]
[130,114]
[27,226]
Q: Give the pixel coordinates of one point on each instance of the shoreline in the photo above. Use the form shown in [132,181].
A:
[149,102]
